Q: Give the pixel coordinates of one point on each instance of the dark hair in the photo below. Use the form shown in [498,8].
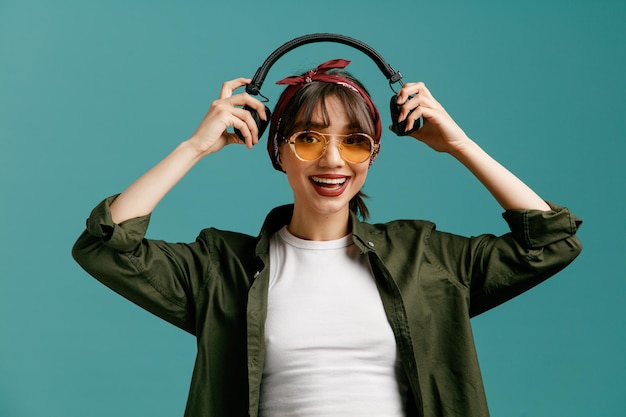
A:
[300,109]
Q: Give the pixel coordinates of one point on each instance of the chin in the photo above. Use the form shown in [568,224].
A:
[331,205]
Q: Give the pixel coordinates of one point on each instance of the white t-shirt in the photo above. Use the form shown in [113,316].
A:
[330,348]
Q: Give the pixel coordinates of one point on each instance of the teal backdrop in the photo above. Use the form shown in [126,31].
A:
[94,93]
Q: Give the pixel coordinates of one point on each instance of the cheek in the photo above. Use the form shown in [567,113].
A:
[287,159]
[291,165]
[361,171]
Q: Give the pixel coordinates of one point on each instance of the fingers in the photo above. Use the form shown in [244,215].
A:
[230,86]
[246,125]
[234,111]
[413,89]
[243,99]
[416,101]
[414,94]
[225,117]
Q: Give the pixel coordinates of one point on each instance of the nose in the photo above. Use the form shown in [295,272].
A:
[332,155]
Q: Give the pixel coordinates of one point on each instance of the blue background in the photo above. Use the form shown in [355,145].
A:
[94,93]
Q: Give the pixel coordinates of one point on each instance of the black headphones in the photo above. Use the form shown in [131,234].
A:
[254,88]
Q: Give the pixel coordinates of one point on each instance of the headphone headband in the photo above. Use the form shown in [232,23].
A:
[254,87]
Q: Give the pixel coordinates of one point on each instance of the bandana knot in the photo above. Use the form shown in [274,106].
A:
[317,74]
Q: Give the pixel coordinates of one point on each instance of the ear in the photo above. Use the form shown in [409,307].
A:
[279,160]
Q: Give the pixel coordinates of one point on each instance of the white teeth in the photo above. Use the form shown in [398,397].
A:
[331,181]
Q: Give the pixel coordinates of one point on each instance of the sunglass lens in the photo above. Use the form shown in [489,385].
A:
[308,145]
[356,148]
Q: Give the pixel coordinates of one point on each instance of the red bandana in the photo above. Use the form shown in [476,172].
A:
[296,82]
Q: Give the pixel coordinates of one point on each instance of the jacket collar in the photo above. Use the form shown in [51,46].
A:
[363,233]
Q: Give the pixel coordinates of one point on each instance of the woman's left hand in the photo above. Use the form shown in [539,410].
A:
[439,130]
[442,134]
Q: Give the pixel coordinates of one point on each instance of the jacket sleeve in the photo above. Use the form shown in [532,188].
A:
[498,268]
[158,276]
[541,243]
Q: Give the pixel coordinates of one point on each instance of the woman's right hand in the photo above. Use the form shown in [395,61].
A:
[227,112]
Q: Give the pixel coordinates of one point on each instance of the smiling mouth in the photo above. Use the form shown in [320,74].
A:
[329,182]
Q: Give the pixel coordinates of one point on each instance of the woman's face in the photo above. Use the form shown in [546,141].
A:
[326,185]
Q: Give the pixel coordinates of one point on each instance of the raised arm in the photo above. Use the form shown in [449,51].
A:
[142,196]
[441,133]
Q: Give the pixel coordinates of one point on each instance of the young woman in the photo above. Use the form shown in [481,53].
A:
[323,314]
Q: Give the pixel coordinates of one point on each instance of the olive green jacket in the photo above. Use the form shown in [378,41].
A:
[430,283]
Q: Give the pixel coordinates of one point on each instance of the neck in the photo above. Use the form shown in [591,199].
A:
[306,225]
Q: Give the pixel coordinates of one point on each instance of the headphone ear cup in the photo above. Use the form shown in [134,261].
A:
[260,124]
[263,124]
[399,128]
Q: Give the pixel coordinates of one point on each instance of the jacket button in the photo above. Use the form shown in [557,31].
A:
[371,244]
